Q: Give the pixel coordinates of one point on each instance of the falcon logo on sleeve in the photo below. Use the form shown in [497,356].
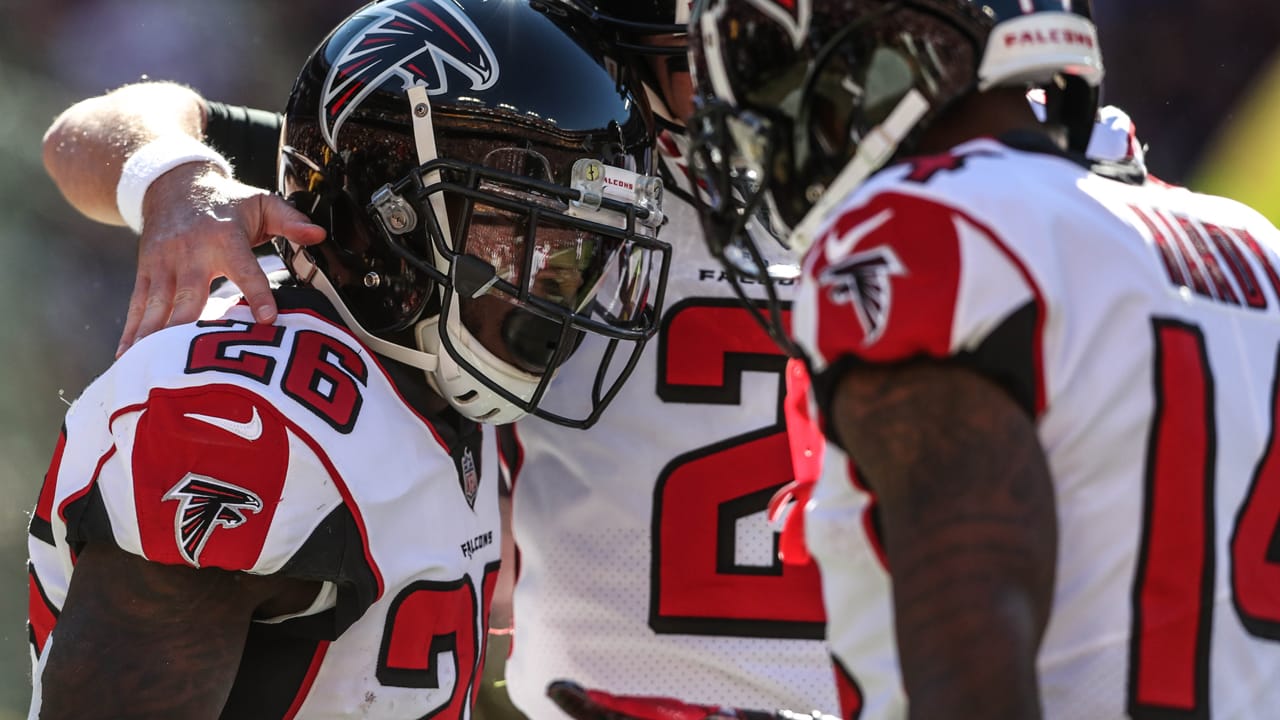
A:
[862,280]
[206,504]
[410,41]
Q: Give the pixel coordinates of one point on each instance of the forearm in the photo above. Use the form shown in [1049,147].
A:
[967,509]
[136,639]
[87,145]
[974,654]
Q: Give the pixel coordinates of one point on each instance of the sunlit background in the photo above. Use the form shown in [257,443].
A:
[1201,78]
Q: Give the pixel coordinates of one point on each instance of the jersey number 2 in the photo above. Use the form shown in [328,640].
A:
[697,584]
[1173,595]
[429,621]
[322,374]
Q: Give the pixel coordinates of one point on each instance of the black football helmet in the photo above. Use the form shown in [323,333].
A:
[801,100]
[483,171]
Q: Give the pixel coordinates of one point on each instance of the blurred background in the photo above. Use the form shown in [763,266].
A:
[1201,78]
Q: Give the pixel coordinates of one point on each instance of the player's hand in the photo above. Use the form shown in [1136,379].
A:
[583,704]
[198,225]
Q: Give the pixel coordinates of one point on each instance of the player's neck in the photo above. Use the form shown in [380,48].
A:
[988,114]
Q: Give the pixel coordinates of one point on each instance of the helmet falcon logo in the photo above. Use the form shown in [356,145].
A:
[410,41]
[205,504]
[863,281]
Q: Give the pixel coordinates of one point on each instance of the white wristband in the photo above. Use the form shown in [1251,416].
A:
[150,162]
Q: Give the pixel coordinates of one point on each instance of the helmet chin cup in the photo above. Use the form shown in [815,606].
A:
[467,394]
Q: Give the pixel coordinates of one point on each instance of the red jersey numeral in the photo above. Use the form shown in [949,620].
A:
[1255,542]
[429,622]
[1173,594]
[325,376]
[322,375]
[697,586]
[212,351]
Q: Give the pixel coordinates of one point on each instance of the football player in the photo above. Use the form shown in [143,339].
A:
[1057,386]
[300,518]
[680,426]
[646,563]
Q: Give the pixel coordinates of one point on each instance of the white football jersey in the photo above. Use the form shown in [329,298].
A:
[1139,325]
[646,565]
[287,449]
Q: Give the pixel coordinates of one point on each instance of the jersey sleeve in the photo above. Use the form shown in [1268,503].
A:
[215,476]
[903,277]
[249,138]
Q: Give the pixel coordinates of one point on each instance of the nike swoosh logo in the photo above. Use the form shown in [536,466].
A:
[251,430]
[841,246]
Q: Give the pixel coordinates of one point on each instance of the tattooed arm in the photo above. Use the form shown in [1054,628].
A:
[967,510]
[138,639]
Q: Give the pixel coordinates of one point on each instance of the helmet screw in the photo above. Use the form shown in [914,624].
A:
[372,279]
[398,220]
[421,110]
[813,193]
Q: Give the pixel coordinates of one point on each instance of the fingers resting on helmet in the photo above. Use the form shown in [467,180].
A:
[200,225]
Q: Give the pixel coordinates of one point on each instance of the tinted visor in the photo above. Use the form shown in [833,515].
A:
[522,241]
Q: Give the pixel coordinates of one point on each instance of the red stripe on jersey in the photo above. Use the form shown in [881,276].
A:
[807,447]
[41,613]
[516,559]
[667,144]
[488,586]
[889,279]
[304,688]
[77,495]
[847,692]
[44,505]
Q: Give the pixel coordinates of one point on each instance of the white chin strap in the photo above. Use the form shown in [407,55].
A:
[470,397]
[465,393]
[446,375]
[873,152]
